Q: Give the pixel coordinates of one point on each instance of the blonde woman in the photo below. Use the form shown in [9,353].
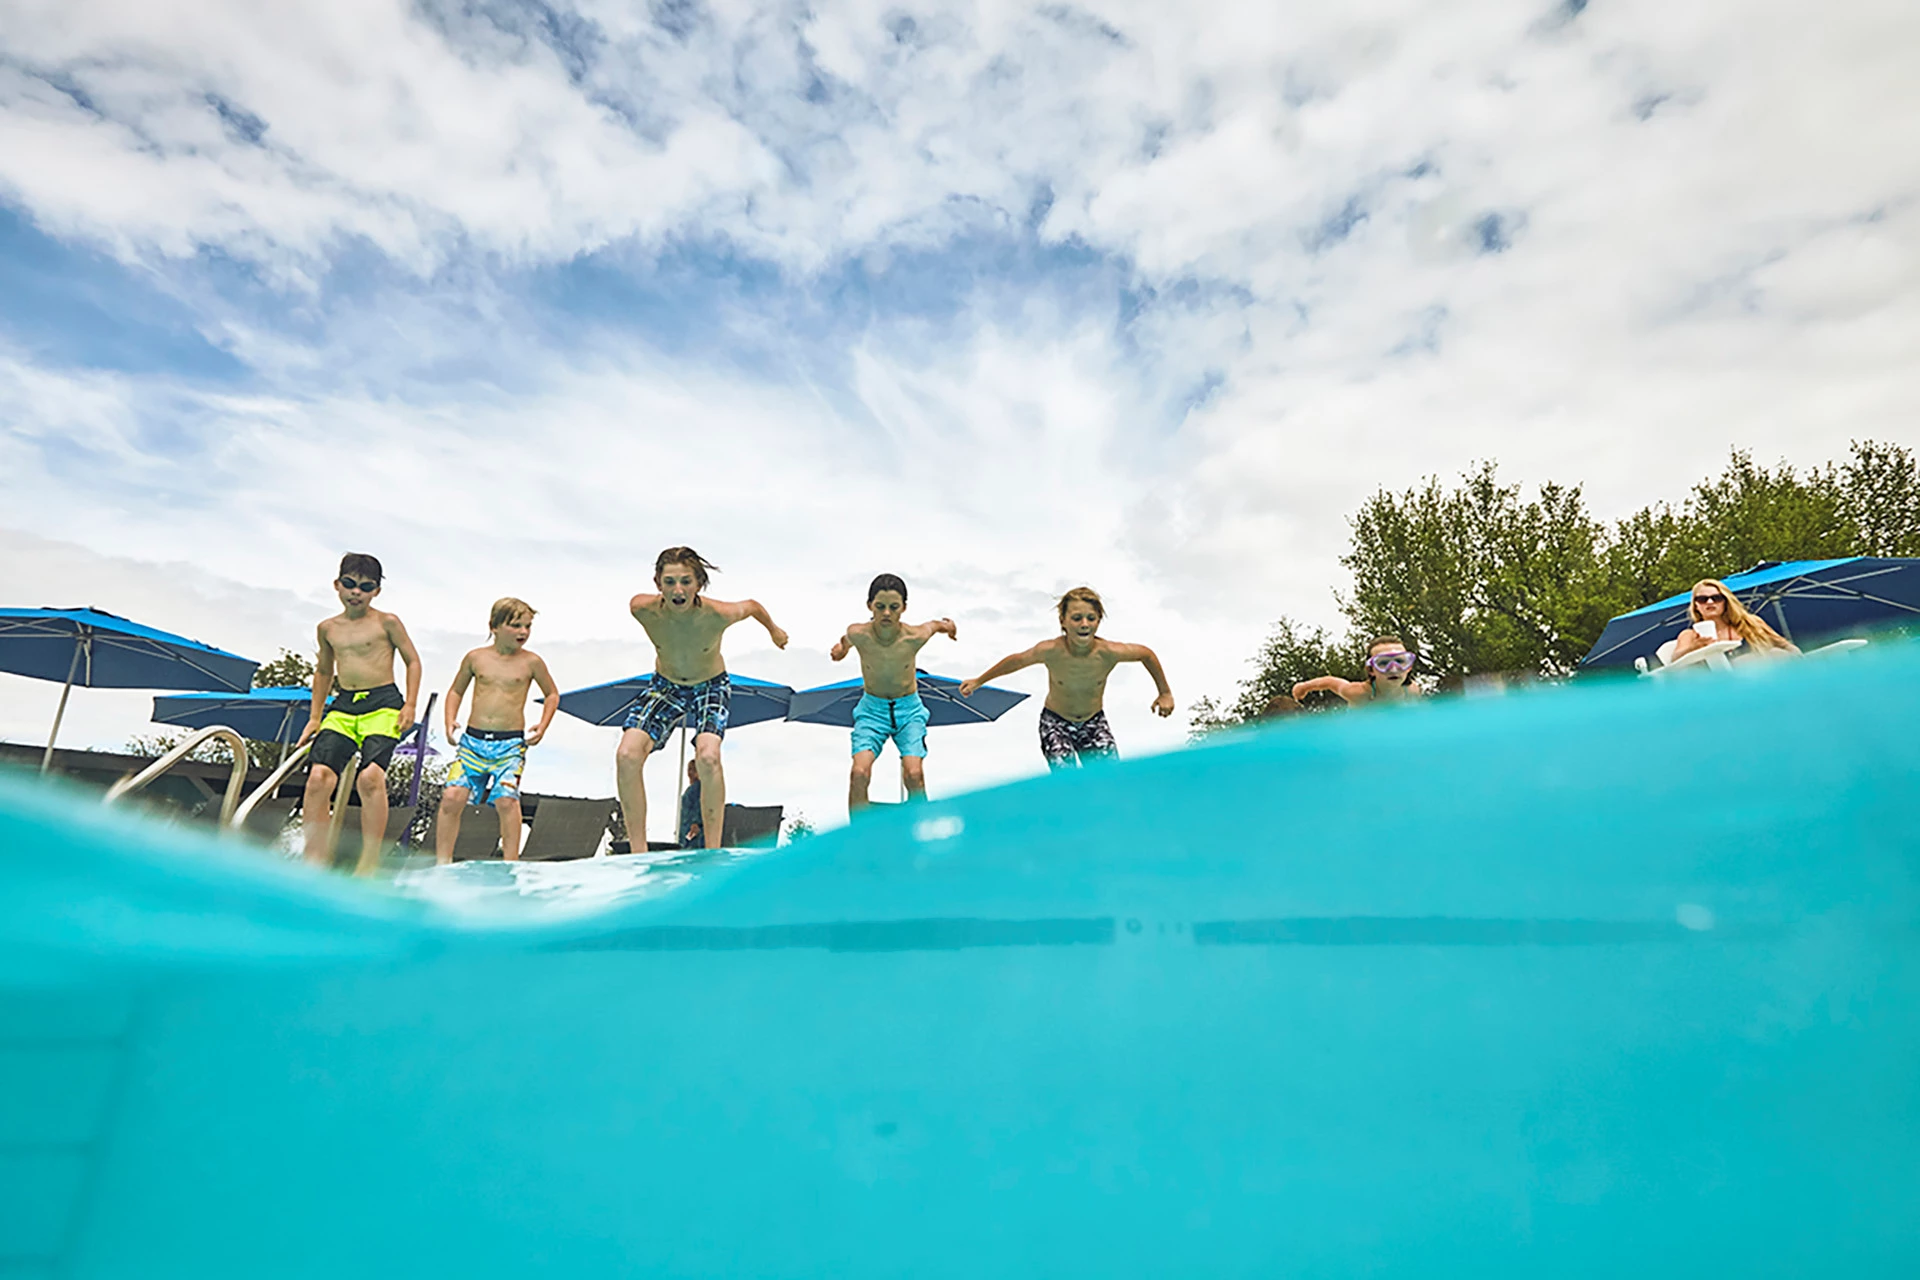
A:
[1716,606]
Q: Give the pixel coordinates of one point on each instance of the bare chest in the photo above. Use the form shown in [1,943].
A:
[359,641]
[1080,674]
[697,633]
[502,675]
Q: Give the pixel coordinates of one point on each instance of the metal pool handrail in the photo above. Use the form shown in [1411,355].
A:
[271,785]
[348,772]
[235,781]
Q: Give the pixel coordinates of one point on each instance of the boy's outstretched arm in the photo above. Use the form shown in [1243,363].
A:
[322,684]
[549,702]
[455,692]
[1011,663]
[1162,705]
[758,612]
[403,645]
[842,646]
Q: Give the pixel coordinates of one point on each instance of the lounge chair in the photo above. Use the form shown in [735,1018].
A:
[269,817]
[751,824]
[565,828]
[1707,656]
[479,837]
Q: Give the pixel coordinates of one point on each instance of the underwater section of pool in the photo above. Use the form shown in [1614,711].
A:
[1599,981]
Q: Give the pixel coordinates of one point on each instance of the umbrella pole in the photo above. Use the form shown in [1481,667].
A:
[60,713]
[680,786]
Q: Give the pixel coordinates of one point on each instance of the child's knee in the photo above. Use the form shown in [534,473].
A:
[321,778]
[633,749]
[452,800]
[706,758]
[914,768]
[863,770]
[507,806]
[372,782]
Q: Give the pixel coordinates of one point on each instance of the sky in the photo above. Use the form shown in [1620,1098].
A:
[1000,297]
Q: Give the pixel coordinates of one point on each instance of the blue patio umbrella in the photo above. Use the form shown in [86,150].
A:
[608,704]
[265,715]
[99,650]
[754,702]
[1804,600]
[834,703]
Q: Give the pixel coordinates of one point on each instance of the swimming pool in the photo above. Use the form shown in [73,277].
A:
[1604,979]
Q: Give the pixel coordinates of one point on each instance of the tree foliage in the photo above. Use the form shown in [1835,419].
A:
[1291,653]
[288,671]
[1477,577]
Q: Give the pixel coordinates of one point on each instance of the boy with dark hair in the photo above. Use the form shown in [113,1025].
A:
[489,756]
[368,714]
[890,705]
[1389,676]
[689,686]
[1073,721]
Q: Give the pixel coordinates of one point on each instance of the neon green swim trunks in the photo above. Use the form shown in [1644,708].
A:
[363,720]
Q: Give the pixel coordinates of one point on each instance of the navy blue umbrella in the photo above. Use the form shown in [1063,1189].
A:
[98,650]
[1804,600]
[266,715]
[608,704]
[754,701]
[834,703]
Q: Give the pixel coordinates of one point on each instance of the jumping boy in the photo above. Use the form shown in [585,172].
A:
[890,705]
[491,753]
[1389,676]
[1073,725]
[689,686]
[368,714]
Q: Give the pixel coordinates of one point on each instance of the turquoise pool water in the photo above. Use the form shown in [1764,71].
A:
[1607,980]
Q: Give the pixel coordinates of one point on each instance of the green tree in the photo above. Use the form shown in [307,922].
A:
[288,671]
[1880,499]
[1477,578]
[1291,653]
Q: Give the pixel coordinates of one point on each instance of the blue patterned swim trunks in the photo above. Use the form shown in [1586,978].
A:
[488,763]
[664,705]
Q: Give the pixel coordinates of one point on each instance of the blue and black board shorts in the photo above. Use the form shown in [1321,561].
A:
[665,705]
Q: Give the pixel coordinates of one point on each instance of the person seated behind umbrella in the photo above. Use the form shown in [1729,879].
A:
[1717,609]
[690,830]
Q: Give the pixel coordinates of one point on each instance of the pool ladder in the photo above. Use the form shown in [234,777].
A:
[235,810]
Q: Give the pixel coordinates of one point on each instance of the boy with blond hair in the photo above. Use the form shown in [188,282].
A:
[491,753]
[890,706]
[368,714]
[1073,721]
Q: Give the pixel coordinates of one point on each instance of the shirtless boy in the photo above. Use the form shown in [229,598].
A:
[890,705]
[368,714]
[1073,725]
[1389,676]
[689,685]
[491,753]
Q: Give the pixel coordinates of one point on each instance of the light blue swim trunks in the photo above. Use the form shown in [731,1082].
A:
[902,719]
[488,764]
